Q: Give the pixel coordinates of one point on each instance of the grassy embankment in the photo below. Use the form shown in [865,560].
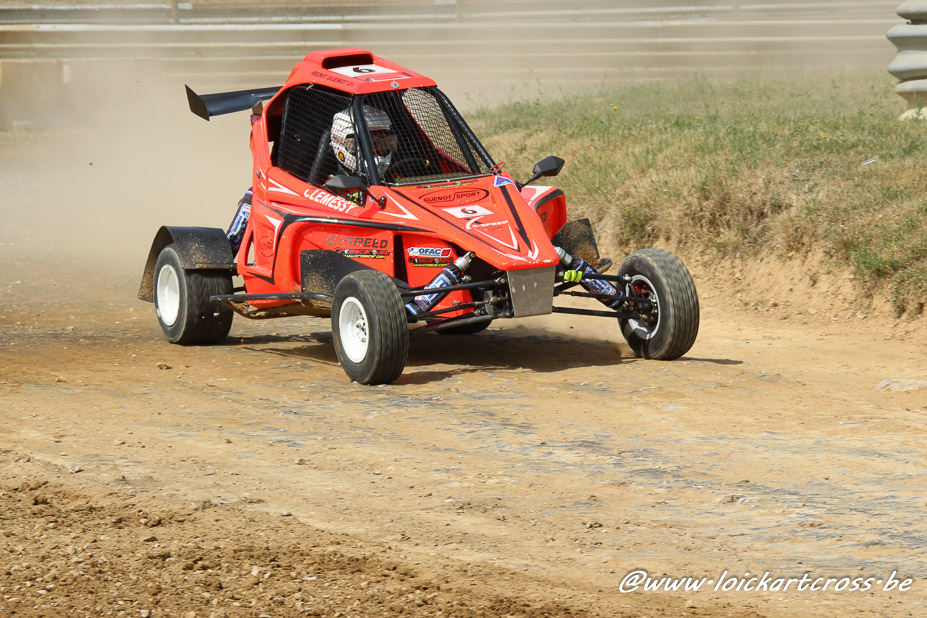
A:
[741,169]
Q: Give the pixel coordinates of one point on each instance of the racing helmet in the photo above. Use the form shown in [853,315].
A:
[344,143]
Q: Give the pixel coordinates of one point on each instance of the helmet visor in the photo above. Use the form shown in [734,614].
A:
[384,142]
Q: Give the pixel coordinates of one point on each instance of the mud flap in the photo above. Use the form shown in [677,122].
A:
[199,248]
[577,239]
[321,270]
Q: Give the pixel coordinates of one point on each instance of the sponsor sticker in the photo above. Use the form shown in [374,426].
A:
[501,181]
[266,246]
[429,252]
[490,226]
[359,241]
[438,262]
[456,195]
[327,76]
[364,254]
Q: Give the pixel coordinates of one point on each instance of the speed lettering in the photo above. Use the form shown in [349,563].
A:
[359,241]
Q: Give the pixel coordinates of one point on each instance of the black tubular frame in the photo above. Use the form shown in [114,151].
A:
[644,304]
[250,297]
[461,321]
[413,292]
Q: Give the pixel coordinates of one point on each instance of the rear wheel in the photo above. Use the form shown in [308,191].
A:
[668,329]
[182,301]
[369,327]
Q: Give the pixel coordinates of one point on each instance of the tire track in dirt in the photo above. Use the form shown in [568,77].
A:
[542,452]
[579,468]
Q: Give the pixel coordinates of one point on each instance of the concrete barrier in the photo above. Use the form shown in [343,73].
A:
[910,65]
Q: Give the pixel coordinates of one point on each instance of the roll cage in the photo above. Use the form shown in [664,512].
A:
[434,143]
[427,126]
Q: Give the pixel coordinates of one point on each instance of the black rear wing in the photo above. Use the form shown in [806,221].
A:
[208,105]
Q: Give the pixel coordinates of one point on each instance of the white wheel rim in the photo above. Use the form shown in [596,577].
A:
[353,327]
[168,295]
[642,329]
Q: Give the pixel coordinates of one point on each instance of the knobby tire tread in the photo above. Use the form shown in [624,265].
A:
[392,326]
[212,321]
[201,321]
[682,298]
[387,316]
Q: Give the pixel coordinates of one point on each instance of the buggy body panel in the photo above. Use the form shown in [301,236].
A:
[373,202]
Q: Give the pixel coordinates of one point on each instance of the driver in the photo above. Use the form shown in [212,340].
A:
[345,146]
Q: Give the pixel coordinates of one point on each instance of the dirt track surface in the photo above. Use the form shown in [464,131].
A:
[523,471]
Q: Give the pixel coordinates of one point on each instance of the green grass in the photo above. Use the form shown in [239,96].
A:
[740,169]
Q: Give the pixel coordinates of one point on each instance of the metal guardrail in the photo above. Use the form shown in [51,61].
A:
[219,30]
[379,11]
[476,45]
[226,11]
[204,12]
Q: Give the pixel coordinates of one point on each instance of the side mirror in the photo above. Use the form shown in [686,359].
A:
[342,185]
[549,166]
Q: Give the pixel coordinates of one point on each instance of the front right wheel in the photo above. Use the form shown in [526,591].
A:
[369,327]
[668,326]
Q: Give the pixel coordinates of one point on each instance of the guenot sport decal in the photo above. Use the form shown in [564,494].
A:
[456,195]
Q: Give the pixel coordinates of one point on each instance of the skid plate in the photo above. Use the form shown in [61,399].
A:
[532,290]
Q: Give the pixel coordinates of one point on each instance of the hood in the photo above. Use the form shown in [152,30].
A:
[486,215]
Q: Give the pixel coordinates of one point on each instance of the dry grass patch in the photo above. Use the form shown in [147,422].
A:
[746,168]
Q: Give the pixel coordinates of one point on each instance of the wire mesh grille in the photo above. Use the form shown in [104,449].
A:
[414,138]
[430,144]
[305,147]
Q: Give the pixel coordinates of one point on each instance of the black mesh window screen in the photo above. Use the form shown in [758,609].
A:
[431,142]
[317,135]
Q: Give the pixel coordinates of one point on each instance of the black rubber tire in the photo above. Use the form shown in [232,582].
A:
[189,318]
[659,272]
[371,305]
[466,329]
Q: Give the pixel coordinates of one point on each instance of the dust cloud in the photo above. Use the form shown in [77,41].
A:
[545,458]
[104,150]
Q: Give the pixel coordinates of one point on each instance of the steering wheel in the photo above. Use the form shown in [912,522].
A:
[422,162]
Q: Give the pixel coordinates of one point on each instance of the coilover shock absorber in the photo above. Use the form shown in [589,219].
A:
[593,286]
[451,275]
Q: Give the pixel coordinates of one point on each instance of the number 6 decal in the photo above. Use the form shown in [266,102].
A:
[467,212]
[362,71]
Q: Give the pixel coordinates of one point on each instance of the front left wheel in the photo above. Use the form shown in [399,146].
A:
[369,327]
[182,302]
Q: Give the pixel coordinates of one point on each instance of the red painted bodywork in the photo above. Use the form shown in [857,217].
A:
[505,227]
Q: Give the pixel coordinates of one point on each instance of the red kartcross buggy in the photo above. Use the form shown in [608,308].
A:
[374,204]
